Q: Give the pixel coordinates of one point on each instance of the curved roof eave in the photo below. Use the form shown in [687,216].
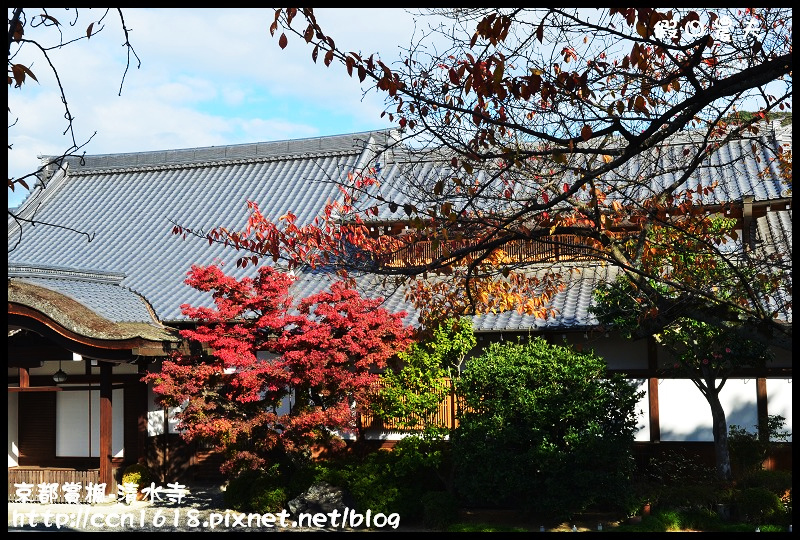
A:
[70,318]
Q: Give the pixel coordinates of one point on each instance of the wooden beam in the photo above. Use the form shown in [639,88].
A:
[14,389]
[24,354]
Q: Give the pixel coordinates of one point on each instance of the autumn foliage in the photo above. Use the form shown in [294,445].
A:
[275,376]
[547,131]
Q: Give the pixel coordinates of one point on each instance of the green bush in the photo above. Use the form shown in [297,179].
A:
[269,501]
[440,509]
[749,450]
[545,429]
[376,484]
[759,505]
[257,491]
[137,474]
[778,482]
[673,467]
[387,481]
[690,496]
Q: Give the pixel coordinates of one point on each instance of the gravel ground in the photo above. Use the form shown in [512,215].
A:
[201,510]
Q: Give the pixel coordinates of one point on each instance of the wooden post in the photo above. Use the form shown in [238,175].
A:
[652,389]
[106,423]
[763,416]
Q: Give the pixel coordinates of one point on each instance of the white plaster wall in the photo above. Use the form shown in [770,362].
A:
[13,431]
[642,411]
[686,416]
[155,416]
[779,400]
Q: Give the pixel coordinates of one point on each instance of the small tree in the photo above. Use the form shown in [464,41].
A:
[544,428]
[411,394]
[324,360]
[704,352]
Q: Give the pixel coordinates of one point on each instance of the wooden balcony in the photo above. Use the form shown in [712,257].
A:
[556,248]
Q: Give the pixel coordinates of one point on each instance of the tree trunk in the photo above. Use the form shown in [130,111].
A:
[720,430]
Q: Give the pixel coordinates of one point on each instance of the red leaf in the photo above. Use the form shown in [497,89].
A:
[453,76]
[283,41]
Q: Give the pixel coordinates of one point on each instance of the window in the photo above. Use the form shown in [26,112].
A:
[78,423]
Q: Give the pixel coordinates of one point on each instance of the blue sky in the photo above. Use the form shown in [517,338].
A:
[207,77]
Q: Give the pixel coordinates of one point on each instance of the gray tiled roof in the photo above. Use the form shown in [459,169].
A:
[740,168]
[128,203]
[571,305]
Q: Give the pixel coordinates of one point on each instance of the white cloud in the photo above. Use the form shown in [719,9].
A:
[207,77]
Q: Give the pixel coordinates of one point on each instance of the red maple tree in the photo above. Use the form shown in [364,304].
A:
[275,377]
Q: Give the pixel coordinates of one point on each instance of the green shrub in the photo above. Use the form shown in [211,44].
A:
[778,482]
[257,491]
[376,485]
[749,450]
[269,501]
[137,474]
[672,519]
[690,496]
[387,481]
[673,467]
[545,429]
[759,505]
[440,509]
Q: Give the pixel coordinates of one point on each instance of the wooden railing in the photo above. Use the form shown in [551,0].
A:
[445,415]
[35,476]
[556,248]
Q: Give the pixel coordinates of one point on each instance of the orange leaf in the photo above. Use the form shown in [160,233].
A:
[20,72]
[586,133]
